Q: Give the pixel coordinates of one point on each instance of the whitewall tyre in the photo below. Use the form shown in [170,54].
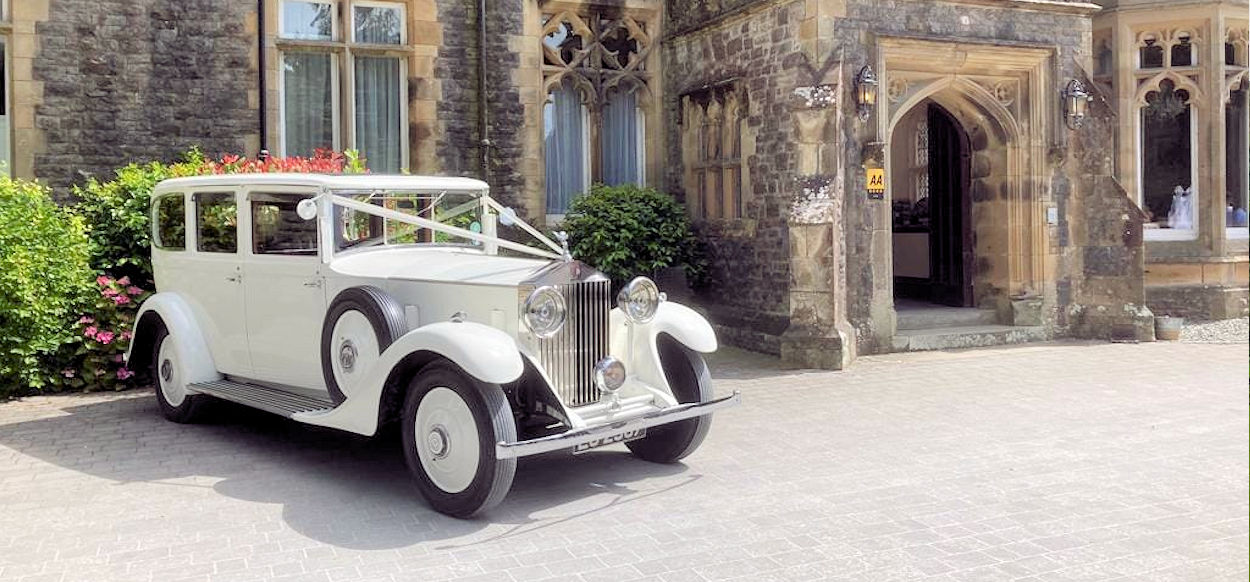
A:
[169,380]
[688,376]
[451,424]
[359,325]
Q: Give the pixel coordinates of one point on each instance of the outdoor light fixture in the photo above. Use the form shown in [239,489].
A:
[865,91]
[1075,103]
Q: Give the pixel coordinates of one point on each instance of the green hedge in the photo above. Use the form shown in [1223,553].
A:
[626,231]
[44,280]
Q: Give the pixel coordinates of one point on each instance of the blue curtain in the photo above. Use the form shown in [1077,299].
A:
[619,139]
[378,124]
[565,147]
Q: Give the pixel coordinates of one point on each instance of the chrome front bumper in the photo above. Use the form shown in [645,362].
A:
[572,438]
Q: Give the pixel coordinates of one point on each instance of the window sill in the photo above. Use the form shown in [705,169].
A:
[1169,234]
[1237,233]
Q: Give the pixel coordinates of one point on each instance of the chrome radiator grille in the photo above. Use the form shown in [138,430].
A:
[570,355]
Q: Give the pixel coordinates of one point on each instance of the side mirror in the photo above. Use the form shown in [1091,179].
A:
[306,209]
[507,217]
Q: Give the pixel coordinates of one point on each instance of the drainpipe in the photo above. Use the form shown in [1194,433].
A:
[483,117]
[260,63]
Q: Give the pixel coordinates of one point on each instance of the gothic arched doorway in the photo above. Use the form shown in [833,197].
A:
[932,223]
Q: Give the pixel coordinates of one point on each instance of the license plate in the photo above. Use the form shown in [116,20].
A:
[622,437]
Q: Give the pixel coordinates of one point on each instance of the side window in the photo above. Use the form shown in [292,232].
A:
[217,222]
[171,222]
[278,230]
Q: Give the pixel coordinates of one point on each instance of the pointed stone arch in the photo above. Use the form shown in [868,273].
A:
[1000,98]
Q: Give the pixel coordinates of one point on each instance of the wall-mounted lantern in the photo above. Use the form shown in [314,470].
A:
[865,92]
[1075,104]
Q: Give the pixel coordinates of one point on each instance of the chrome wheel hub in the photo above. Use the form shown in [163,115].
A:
[438,442]
[347,355]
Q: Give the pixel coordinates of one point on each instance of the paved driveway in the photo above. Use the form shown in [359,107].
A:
[1052,462]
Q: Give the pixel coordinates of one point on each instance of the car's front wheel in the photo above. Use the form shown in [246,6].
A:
[690,381]
[451,424]
[169,376]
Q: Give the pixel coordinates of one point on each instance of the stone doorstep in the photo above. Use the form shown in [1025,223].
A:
[975,336]
[943,317]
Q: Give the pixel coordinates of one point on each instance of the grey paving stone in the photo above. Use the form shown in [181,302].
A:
[1046,462]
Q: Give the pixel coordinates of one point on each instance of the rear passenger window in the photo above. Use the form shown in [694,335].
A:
[217,222]
[171,222]
[278,230]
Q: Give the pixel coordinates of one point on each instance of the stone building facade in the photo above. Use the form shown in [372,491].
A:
[1000,205]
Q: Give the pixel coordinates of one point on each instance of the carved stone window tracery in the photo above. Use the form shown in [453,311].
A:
[712,139]
[601,62]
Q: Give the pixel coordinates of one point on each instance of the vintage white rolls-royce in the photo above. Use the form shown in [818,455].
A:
[357,300]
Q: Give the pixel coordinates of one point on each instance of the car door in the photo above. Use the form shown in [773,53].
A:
[284,289]
[212,281]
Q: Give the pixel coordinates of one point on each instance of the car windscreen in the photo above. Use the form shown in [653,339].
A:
[354,229]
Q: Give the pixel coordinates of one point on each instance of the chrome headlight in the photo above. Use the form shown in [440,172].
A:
[639,299]
[545,311]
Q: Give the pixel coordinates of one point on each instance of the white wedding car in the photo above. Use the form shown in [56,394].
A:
[357,300]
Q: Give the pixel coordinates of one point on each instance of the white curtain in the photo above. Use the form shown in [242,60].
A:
[564,134]
[619,139]
[378,124]
[307,102]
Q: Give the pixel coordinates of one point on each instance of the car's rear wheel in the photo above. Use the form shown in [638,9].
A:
[690,381]
[169,377]
[450,427]
[359,325]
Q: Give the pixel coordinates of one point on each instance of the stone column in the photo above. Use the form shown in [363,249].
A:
[819,335]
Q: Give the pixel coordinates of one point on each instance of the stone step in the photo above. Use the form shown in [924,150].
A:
[973,336]
[942,317]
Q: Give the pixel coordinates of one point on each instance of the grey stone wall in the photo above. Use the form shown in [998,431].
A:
[460,147]
[748,297]
[131,80]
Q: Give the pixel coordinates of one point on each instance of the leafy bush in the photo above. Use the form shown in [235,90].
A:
[94,358]
[626,231]
[117,210]
[44,275]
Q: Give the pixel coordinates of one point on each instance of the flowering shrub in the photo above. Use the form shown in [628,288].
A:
[117,210]
[94,358]
[43,280]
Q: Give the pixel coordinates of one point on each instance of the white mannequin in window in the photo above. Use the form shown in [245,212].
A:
[1181,216]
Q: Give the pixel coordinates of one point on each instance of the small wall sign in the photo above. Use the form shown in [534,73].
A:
[876,183]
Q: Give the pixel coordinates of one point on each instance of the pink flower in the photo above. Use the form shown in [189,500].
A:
[109,292]
[123,281]
[123,373]
[90,331]
[105,337]
[119,358]
[85,320]
[103,281]
[134,290]
[126,335]
[68,372]
[121,300]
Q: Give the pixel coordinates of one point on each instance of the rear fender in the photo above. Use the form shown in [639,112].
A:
[175,313]
[481,351]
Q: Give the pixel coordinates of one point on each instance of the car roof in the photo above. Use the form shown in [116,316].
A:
[331,181]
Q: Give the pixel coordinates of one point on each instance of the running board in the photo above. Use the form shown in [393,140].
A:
[262,398]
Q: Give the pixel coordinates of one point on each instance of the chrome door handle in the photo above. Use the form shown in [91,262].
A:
[234,278]
[313,283]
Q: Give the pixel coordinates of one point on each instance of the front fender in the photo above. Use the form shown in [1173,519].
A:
[188,336]
[635,344]
[481,351]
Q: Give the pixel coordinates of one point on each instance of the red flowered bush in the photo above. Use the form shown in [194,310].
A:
[95,358]
[116,210]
